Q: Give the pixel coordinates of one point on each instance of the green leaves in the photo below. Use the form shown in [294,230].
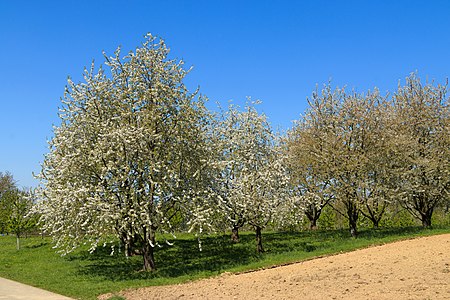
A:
[16,207]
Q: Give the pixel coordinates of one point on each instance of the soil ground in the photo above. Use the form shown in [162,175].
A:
[411,269]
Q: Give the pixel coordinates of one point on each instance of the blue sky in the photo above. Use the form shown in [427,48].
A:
[275,51]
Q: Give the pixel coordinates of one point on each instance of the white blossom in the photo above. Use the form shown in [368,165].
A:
[128,153]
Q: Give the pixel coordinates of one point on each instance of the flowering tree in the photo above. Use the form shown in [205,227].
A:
[253,177]
[311,147]
[375,188]
[129,155]
[337,156]
[362,184]
[421,143]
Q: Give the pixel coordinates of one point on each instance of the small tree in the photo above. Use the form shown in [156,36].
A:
[20,219]
[7,184]
[5,211]
[129,155]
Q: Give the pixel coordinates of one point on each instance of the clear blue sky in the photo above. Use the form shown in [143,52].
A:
[276,51]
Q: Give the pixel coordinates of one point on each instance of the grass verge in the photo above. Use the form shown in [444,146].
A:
[84,276]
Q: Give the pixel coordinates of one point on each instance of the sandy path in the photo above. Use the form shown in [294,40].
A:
[412,269]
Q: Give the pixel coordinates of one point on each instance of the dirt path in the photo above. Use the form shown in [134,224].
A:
[412,269]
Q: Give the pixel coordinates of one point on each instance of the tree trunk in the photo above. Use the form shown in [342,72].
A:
[148,250]
[375,223]
[352,214]
[127,244]
[235,234]
[18,242]
[426,219]
[313,214]
[353,229]
[259,246]
[375,212]
[313,224]
[149,259]
[128,250]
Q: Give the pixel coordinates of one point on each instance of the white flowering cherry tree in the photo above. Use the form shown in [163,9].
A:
[310,146]
[253,178]
[129,155]
[420,140]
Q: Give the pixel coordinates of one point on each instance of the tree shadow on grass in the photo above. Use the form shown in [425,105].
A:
[183,258]
[218,253]
[37,245]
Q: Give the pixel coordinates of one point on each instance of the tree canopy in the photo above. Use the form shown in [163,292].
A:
[129,154]
[137,155]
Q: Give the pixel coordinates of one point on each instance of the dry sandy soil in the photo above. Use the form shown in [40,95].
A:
[412,269]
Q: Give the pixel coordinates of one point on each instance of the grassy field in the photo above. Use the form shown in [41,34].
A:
[84,276]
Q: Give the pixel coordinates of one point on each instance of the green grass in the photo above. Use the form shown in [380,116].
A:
[84,276]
